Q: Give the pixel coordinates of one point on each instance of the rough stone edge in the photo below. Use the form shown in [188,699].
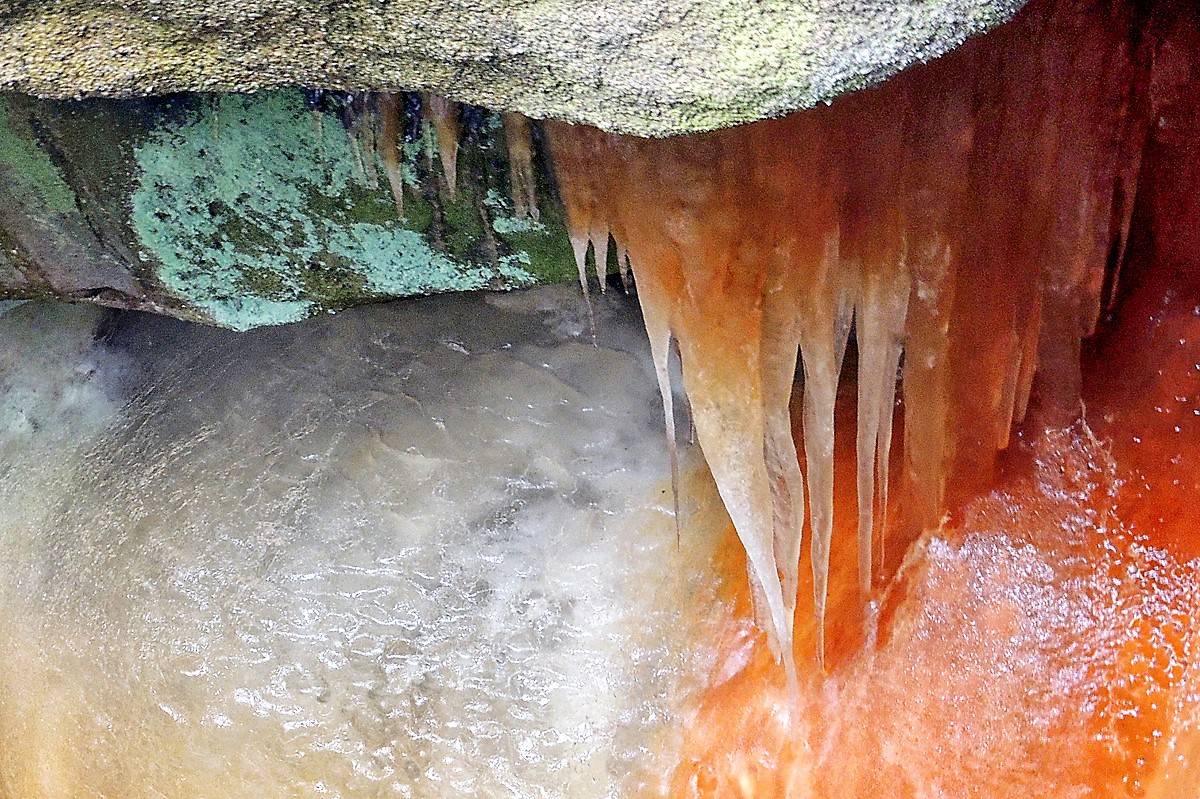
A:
[803,56]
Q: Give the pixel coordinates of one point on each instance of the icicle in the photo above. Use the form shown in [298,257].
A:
[883,449]
[880,318]
[518,133]
[660,348]
[760,608]
[825,329]
[579,246]
[730,427]
[391,116]
[600,247]
[443,114]
[569,147]
[781,342]
[623,266]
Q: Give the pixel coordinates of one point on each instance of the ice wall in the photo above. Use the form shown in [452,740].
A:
[963,216]
[415,551]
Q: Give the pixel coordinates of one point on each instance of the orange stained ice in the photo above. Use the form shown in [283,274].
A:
[964,212]
[1014,614]
[1041,642]
[442,115]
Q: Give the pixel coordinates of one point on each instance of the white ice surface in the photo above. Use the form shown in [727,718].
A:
[422,549]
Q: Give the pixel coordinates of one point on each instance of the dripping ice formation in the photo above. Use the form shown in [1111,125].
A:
[442,114]
[917,216]
[377,124]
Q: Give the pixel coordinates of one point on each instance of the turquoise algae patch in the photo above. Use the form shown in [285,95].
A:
[255,209]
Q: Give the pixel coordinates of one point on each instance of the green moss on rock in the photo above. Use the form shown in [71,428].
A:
[30,166]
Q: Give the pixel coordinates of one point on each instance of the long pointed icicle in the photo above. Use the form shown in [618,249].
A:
[443,114]
[600,247]
[579,203]
[659,334]
[579,246]
[391,116]
[781,343]
[729,426]
[623,267]
[883,449]
[825,330]
[880,318]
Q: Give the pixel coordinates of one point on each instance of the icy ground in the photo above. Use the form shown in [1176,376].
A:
[422,549]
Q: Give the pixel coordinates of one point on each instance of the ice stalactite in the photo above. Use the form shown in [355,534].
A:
[873,263]
[780,343]
[580,198]
[959,218]
[825,329]
[391,126]
[443,116]
[624,268]
[881,314]
[518,134]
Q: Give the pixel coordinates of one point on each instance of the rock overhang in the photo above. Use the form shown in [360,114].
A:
[645,67]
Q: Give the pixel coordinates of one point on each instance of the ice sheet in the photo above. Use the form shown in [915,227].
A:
[423,549]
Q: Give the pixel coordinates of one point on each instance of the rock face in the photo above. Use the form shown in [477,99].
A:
[646,67]
[251,210]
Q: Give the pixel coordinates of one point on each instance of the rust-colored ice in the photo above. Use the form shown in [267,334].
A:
[964,212]
[442,115]
[1032,631]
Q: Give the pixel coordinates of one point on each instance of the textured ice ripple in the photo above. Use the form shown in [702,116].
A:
[412,550]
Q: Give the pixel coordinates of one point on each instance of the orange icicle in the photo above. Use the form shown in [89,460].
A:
[443,114]
[391,116]
[518,134]
[957,219]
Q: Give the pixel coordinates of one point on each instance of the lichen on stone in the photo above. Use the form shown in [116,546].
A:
[257,217]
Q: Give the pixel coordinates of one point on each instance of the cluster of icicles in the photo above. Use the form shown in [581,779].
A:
[379,123]
[961,219]
[966,219]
